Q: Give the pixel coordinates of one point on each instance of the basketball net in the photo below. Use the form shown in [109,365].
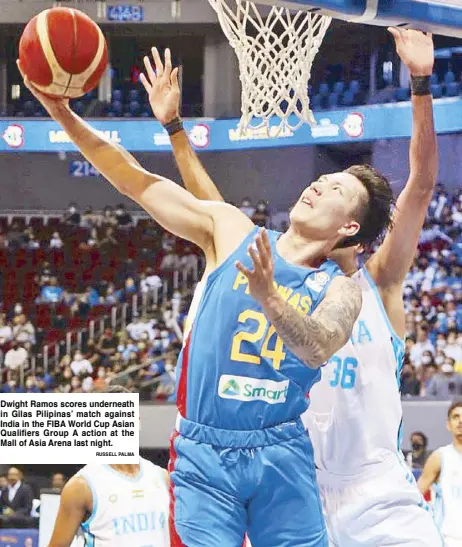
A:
[275,55]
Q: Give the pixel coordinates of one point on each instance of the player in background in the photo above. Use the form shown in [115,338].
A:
[355,414]
[443,471]
[273,310]
[115,505]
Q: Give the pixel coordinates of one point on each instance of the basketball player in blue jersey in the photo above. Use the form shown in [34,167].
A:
[443,471]
[273,310]
[369,496]
[115,505]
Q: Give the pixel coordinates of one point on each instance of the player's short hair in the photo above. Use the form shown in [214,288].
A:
[375,215]
[454,405]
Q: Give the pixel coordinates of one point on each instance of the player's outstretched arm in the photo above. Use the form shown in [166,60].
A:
[76,501]
[315,338]
[392,261]
[169,204]
[163,89]
[430,473]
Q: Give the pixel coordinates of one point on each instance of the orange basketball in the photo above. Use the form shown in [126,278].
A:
[63,52]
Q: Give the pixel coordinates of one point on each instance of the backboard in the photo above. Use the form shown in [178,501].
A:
[437,16]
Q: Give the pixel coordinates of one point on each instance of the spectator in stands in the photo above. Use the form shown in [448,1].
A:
[81,366]
[31,384]
[453,348]
[168,242]
[23,330]
[124,218]
[16,501]
[92,354]
[58,481]
[419,454]
[6,332]
[189,262]
[409,383]
[3,241]
[112,295]
[447,384]
[422,344]
[109,242]
[16,357]
[56,242]
[107,345]
[15,236]
[427,373]
[100,381]
[72,216]
[45,273]
[76,385]
[108,218]
[51,292]
[90,219]
[170,262]
[149,281]
[3,483]
[261,215]
[247,208]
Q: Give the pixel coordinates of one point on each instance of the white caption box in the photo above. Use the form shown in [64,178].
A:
[76,428]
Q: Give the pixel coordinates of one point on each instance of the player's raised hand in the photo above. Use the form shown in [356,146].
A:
[48,102]
[415,49]
[162,87]
[261,278]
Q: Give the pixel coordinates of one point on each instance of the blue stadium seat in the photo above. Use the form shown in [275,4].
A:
[437,91]
[133,95]
[449,77]
[116,95]
[333,100]
[316,102]
[348,98]
[339,87]
[354,86]
[134,108]
[402,94]
[117,108]
[452,89]
[323,89]
[434,79]
[29,108]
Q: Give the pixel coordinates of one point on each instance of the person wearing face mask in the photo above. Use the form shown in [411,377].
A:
[80,365]
[72,216]
[246,206]
[124,218]
[422,344]
[447,384]
[453,348]
[261,215]
[427,358]
[418,456]
[409,383]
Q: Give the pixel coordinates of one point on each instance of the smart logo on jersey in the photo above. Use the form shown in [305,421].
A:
[243,388]
[319,281]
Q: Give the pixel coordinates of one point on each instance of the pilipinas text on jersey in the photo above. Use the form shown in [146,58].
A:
[234,371]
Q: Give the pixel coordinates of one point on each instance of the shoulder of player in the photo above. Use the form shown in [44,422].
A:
[77,492]
[435,459]
[222,212]
[345,286]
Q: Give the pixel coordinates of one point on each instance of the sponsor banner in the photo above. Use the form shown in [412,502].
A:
[244,388]
[365,123]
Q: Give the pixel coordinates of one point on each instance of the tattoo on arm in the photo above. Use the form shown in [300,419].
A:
[315,338]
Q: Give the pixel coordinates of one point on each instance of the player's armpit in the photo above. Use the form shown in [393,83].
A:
[430,473]
[76,500]
[314,339]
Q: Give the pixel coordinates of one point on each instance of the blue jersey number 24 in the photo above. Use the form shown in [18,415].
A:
[344,372]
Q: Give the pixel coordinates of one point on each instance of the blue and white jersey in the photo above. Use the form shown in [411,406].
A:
[127,512]
[234,371]
[355,414]
[448,494]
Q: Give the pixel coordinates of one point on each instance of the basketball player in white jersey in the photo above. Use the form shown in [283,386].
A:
[115,505]
[369,495]
[443,470]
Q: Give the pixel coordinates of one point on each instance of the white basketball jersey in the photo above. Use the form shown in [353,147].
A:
[355,411]
[127,512]
[448,490]
[193,308]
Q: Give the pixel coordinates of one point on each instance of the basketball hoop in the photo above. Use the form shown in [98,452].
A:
[275,48]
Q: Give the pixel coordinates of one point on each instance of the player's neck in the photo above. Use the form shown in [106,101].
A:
[129,469]
[298,250]
[457,442]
